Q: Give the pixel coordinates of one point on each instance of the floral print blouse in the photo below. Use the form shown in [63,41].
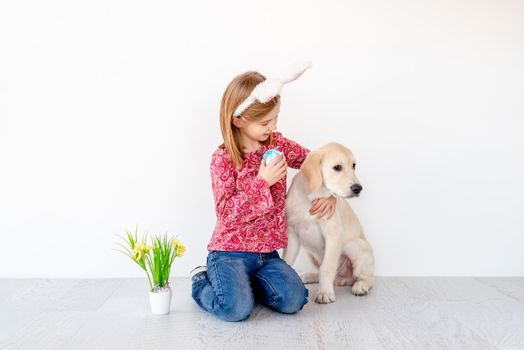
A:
[251,215]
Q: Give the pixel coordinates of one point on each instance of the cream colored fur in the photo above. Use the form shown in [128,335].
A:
[336,246]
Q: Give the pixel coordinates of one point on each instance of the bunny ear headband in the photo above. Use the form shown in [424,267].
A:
[270,88]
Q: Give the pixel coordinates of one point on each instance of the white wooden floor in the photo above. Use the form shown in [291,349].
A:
[399,313]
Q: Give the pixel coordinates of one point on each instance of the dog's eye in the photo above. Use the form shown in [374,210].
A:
[354,166]
[337,167]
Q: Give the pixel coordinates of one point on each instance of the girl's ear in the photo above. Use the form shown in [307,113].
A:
[311,168]
[237,122]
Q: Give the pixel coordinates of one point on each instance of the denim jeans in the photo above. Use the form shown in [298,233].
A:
[234,281]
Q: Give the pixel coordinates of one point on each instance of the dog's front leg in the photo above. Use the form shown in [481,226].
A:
[293,246]
[328,269]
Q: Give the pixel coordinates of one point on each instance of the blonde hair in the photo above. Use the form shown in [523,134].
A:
[236,92]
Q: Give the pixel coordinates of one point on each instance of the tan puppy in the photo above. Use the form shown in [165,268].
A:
[337,246]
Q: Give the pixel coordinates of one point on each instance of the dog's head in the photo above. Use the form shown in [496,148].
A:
[332,165]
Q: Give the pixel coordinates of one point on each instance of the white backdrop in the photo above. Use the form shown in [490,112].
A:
[109,116]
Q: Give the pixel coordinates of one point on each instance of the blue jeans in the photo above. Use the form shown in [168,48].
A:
[235,280]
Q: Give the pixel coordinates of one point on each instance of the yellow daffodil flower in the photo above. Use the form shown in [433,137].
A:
[137,253]
[180,250]
[179,247]
[141,249]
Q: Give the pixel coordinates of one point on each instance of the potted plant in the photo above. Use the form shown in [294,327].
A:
[156,260]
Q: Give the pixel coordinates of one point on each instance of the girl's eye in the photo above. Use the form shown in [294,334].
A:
[267,123]
[337,167]
[354,166]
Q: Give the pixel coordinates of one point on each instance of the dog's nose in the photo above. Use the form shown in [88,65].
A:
[356,188]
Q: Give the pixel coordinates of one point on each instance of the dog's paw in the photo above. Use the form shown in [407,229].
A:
[325,297]
[309,277]
[360,288]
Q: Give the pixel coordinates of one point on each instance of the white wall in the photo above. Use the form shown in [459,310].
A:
[109,116]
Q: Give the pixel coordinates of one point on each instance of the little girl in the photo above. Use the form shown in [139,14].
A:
[243,265]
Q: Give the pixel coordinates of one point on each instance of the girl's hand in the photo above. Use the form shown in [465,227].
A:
[324,206]
[273,172]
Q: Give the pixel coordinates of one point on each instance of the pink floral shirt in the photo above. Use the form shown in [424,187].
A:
[251,215]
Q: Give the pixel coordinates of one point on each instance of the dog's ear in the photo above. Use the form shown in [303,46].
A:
[312,171]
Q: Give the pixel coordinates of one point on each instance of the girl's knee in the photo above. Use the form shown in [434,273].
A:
[292,300]
[234,306]
[237,310]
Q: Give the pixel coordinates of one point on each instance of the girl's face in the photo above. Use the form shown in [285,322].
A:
[259,130]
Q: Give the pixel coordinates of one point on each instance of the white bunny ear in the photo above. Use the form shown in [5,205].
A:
[266,90]
[296,71]
[271,87]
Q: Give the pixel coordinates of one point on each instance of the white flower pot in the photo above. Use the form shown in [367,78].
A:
[160,301]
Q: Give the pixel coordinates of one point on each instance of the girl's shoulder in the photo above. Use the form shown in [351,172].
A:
[221,150]
[220,154]
[220,158]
